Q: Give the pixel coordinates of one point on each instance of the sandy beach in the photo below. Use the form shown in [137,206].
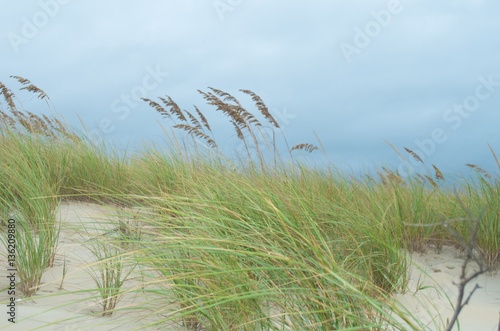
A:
[71,308]
[430,295]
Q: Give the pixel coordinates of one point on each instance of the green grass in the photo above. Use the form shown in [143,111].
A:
[28,191]
[267,245]
[109,272]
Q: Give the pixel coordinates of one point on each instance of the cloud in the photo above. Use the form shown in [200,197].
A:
[397,88]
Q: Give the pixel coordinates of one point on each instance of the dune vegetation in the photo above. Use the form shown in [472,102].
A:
[260,243]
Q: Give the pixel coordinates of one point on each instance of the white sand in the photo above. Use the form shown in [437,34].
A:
[435,274]
[55,309]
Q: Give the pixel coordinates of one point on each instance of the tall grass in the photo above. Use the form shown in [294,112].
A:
[268,244]
[29,187]
[259,258]
[484,199]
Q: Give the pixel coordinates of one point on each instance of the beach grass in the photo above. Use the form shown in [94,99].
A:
[267,244]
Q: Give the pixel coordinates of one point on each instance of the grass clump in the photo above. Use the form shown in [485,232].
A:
[29,185]
[237,267]
[484,197]
[33,254]
[109,272]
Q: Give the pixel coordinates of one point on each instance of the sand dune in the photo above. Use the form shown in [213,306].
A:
[53,308]
[436,274]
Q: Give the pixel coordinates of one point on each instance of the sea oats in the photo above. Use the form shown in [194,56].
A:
[8,96]
[225,96]
[306,147]
[239,133]
[438,173]
[262,107]
[196,132]
[21,80]
[22,119]
[59,126]
[235,111]
[247,117]
[243,121]
[414,155]
[7,119]
[31,87]
[34,89]
[479,170]
[174,108]
[194,120]
[431,181]
[37,124]
[157,107]
[49,123]
[228,110]
[203,119]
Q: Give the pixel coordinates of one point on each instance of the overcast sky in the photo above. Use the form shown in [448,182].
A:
[420,74]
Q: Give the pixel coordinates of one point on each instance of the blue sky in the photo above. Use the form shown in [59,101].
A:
[420,74]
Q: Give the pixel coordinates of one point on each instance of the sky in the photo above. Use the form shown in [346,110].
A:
[357,75]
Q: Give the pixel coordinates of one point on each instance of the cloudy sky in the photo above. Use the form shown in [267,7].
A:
[420,74]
